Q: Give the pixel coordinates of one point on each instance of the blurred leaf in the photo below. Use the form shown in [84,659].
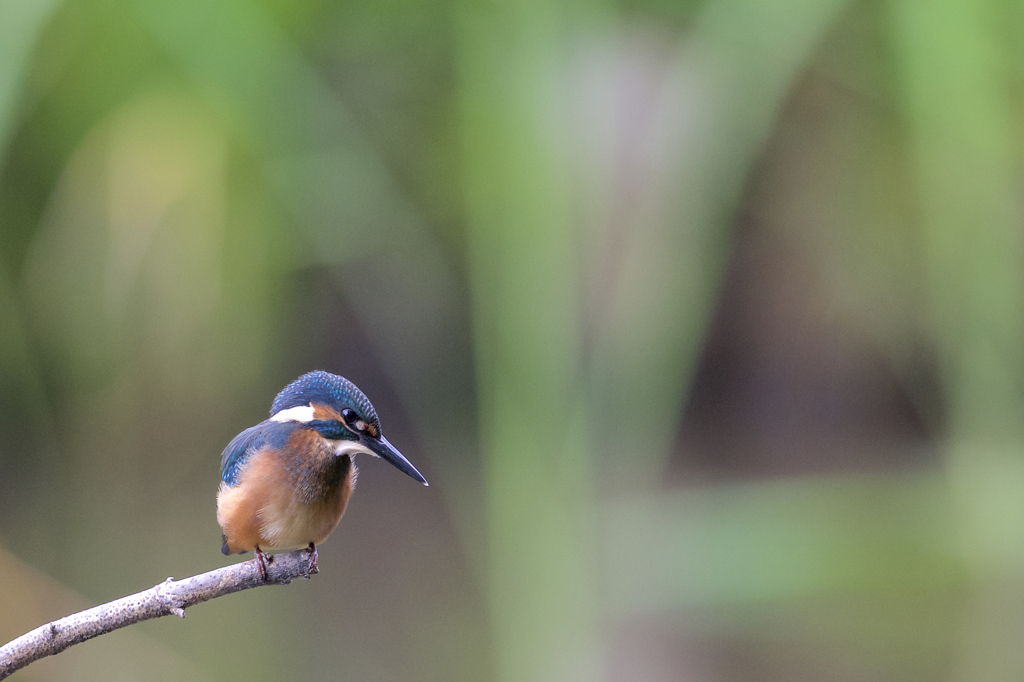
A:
[325,170]
[767,542]
[20,24]
[721,99]
[966,171]
[130,253]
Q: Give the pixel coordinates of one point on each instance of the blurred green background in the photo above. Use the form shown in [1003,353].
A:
[705,321]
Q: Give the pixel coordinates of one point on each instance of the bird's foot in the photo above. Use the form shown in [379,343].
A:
[312,558]
[261,563]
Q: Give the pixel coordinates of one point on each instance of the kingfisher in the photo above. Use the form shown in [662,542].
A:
[286,481]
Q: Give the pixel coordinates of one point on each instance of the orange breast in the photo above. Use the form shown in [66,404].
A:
[265,509]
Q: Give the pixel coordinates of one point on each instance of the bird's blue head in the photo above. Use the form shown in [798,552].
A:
[339,411]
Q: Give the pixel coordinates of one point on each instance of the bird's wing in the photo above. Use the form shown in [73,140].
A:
[238,450]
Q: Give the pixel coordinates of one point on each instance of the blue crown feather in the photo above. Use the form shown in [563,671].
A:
[327,389]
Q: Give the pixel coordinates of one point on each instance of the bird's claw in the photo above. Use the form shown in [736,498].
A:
[313,555]
[261,563]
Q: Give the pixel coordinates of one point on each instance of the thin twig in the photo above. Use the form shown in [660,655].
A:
[170,597]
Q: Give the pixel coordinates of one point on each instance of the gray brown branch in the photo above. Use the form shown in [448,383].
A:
[170,597]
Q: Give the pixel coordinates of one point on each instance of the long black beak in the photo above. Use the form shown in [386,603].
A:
[382,448]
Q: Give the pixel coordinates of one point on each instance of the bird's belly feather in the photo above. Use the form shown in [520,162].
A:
[263,509]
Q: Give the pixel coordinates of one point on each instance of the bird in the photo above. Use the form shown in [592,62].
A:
[285,482]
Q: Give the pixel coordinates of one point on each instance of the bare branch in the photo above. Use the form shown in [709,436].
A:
[170,597]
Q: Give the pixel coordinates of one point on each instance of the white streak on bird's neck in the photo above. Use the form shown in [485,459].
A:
[302,413]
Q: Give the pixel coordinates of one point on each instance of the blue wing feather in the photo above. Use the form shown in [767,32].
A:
[236,454]
[238,451]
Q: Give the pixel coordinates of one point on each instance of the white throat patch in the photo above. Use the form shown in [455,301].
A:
[302,413]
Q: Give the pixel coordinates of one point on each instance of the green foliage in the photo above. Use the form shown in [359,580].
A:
[526,230]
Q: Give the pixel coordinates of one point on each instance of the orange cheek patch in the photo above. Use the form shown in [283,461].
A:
[325,413]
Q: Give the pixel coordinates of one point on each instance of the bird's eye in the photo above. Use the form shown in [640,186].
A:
[352,420]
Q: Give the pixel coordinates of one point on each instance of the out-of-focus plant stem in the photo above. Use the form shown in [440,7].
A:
[524,278]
